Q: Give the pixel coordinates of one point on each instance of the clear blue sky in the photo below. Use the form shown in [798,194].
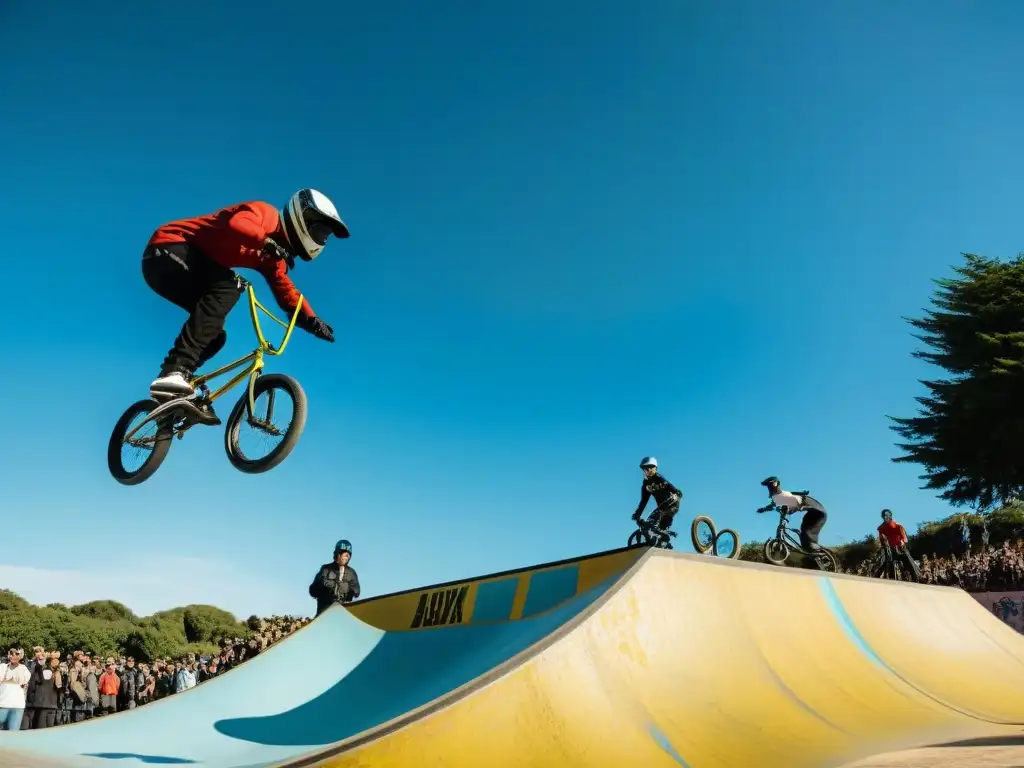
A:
[581,233]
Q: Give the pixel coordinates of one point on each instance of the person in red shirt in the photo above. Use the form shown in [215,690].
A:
[191,262]
[893,537]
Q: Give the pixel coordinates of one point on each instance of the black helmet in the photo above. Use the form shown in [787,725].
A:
[343,546]
[770,481]
[885,512]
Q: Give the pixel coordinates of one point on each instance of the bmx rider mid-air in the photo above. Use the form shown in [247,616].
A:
[190,263]
[814,511]
[666,496]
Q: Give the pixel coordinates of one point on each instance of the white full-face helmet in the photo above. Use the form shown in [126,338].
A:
[309,219]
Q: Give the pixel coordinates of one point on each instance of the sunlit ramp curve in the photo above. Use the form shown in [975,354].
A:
[706,663]
[666,660]
[339,676]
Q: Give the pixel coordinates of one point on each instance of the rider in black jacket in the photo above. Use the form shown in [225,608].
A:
[666,496]
[337,581]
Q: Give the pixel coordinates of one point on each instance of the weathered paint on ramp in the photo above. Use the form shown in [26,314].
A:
[681,661]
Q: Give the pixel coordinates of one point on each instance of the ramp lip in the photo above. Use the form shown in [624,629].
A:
[488,677]
[489,576]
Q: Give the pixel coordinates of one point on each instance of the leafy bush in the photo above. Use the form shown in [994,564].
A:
[106,627]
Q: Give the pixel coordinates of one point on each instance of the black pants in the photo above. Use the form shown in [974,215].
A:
[810,527]
[44,718]
[663,517]
[185,276]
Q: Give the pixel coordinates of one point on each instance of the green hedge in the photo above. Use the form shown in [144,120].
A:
[106,627]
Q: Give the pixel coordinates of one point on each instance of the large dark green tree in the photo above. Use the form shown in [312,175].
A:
[969,432]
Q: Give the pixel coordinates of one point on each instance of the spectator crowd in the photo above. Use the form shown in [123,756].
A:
[989,569]
[47,690]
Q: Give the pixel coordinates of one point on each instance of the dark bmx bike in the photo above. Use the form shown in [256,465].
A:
[897,564]
[162,420]
[787,540]
[649,534]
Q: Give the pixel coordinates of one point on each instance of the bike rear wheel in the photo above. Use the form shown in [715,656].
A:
[776,552]
[727,541]
[702,533]
[153,440]
[827,560]
[272,388]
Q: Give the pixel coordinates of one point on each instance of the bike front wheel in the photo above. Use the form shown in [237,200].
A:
[274,394]
[636,539]
[727,544]
[776,552]
[702,534]
[151,444]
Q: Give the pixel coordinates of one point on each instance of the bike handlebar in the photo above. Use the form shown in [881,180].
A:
[254,309]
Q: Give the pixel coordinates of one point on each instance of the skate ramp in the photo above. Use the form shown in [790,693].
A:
[675,660]
[339,676]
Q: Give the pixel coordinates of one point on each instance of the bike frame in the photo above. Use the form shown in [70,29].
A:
[785,534]
[253,362]
[653,533]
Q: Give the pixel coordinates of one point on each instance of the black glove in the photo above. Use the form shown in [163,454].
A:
[317,327]
[636,516]
[274,251]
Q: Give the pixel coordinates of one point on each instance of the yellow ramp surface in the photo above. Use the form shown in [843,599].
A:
[629,658]
[706,663]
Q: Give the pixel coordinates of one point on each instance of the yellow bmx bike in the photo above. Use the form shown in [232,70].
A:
[161,421]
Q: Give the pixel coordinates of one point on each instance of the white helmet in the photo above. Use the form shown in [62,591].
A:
[648,461]
[309,219]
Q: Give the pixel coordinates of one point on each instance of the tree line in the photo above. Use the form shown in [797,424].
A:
[107,627]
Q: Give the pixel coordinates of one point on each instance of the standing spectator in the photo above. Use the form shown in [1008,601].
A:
[164,682]
[14,678]
[132,682]
[90,679]
[109,687]
[148,692]
[48,684]
[77,693]
[184,678]
[336,582]
[985,538]
[965,534]
[38,660]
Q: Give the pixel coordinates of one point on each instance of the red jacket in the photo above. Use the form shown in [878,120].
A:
[233,237]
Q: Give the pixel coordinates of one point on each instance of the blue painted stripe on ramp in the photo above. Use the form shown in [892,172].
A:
[404,672]
[494,600]
[549,588]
